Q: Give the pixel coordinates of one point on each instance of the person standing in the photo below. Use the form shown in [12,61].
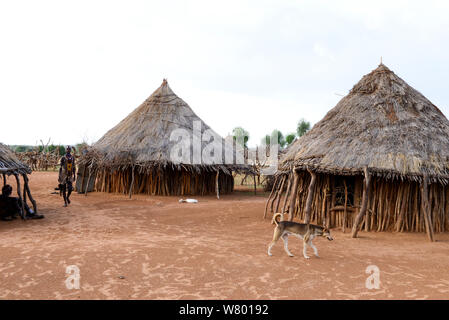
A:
[67,176]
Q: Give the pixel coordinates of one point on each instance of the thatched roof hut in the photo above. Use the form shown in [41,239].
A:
[383,136]
[10,165]
[144,153]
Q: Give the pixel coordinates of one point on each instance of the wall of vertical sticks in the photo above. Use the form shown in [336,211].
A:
[392,205]
[164,182]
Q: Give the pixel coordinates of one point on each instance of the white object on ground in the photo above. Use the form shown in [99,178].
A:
[188,200]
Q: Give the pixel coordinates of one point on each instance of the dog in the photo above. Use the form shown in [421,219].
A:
[303,231]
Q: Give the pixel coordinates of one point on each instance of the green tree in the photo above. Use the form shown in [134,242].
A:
[266,140]
[60,149]
[51,148]
[240,134]
[290,138]
[303,127]
[22,148]
[276,134]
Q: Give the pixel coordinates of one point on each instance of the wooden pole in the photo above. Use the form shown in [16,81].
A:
[19,193]
[88,180]
[277,194]
[287,193]
[217,189]
[4,180]
[280,195]
[27,187]
[328,202]
[255,184]
[269,198]
[244,179]
[24,192]
[426,208]
[132,182]
[291,210]
[310,196]
[345,213]
[366,190]
[82,178]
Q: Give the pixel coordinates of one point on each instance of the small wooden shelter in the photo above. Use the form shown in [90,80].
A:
[136,155]
[378,161]
[11,166]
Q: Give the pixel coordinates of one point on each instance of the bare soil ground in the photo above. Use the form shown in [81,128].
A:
[157,248]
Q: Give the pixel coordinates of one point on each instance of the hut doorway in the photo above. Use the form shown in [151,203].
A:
[344,188]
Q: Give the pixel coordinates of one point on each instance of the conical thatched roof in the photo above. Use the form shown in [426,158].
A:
[9,164]
[144,138]
[383,124]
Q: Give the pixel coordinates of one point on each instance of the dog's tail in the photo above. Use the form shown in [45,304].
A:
[307,235]
[275,218]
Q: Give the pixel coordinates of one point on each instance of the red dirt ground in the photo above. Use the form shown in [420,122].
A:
[157,248]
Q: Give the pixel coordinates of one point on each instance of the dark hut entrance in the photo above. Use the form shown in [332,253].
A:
[344,188]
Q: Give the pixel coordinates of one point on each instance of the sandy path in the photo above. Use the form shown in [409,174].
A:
[215,249]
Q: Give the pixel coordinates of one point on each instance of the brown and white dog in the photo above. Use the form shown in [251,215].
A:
[303,231]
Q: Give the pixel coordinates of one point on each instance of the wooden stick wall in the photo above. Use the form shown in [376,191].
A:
[158,182]
[392,205]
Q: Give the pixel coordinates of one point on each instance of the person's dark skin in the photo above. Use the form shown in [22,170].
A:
[11,206]
[66,185]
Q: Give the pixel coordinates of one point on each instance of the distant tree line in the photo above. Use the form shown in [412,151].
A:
[46,149]
[303,126]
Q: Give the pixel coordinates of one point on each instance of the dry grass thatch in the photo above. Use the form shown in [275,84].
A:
[378,160]
[135,155]
[9,164]
[142,139]
[383,124]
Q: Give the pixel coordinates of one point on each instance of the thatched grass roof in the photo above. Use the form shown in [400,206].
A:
[9,164]
[143,137]
[383,124]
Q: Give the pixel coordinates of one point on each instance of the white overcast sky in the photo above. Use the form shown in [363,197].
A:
[71,70]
